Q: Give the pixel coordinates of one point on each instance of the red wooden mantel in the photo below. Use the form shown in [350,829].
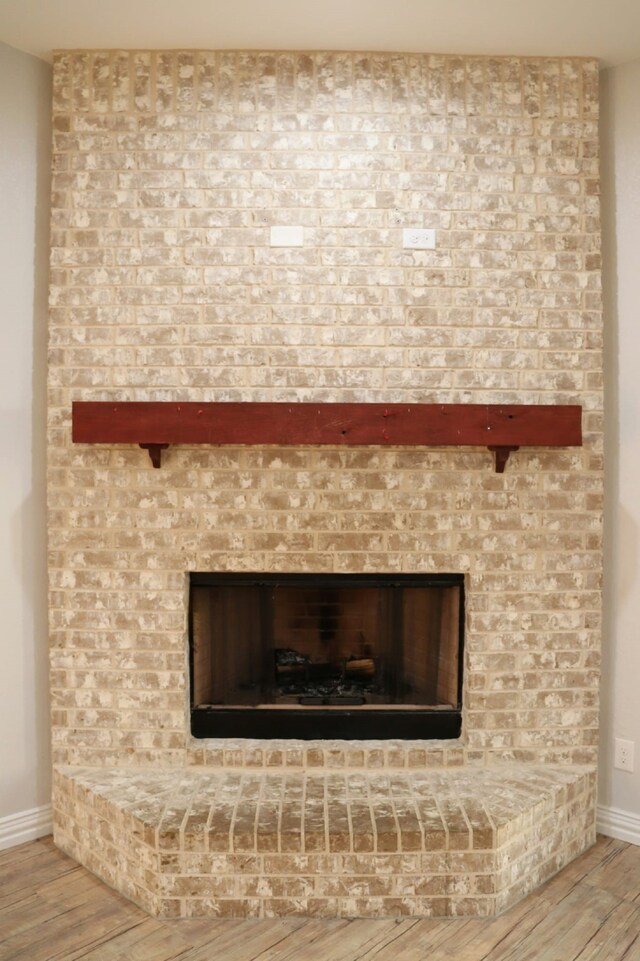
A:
[500,427]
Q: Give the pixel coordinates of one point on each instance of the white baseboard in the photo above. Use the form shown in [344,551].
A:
[25,826]
[621,825]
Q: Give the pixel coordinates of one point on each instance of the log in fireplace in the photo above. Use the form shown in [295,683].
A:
[306,656]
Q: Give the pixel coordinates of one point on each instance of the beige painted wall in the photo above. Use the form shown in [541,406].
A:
[25,95]
[621,237]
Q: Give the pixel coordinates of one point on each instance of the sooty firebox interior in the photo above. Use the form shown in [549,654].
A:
[326,656]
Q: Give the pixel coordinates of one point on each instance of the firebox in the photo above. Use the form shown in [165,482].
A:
[326,656]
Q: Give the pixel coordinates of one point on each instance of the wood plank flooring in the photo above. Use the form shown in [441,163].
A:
[51,909]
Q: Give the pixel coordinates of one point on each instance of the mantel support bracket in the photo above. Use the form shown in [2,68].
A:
[502,456]
[155,452]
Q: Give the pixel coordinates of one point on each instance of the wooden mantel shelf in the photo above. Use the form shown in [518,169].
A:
[502,428]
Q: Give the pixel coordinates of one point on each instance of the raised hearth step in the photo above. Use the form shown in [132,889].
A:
[261,843]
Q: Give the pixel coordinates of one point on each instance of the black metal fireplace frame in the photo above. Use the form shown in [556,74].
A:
[311,723]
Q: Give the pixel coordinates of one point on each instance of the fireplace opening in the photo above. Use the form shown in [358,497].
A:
[326,656]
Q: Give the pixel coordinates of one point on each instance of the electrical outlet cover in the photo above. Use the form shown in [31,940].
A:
[417,238]
[623,755]
[286,237]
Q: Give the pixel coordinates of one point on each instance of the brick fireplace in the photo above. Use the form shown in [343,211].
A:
[170,168]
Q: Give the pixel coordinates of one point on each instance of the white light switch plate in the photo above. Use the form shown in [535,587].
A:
[286,237]
[416,238]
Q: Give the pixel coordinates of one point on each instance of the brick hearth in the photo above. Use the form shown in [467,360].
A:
[192,843]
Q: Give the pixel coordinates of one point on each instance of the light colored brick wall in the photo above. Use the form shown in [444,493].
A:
[169,169]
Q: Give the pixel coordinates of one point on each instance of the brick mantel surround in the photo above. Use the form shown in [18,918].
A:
[169,170]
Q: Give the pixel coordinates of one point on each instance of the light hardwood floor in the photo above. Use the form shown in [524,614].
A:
[51,909]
